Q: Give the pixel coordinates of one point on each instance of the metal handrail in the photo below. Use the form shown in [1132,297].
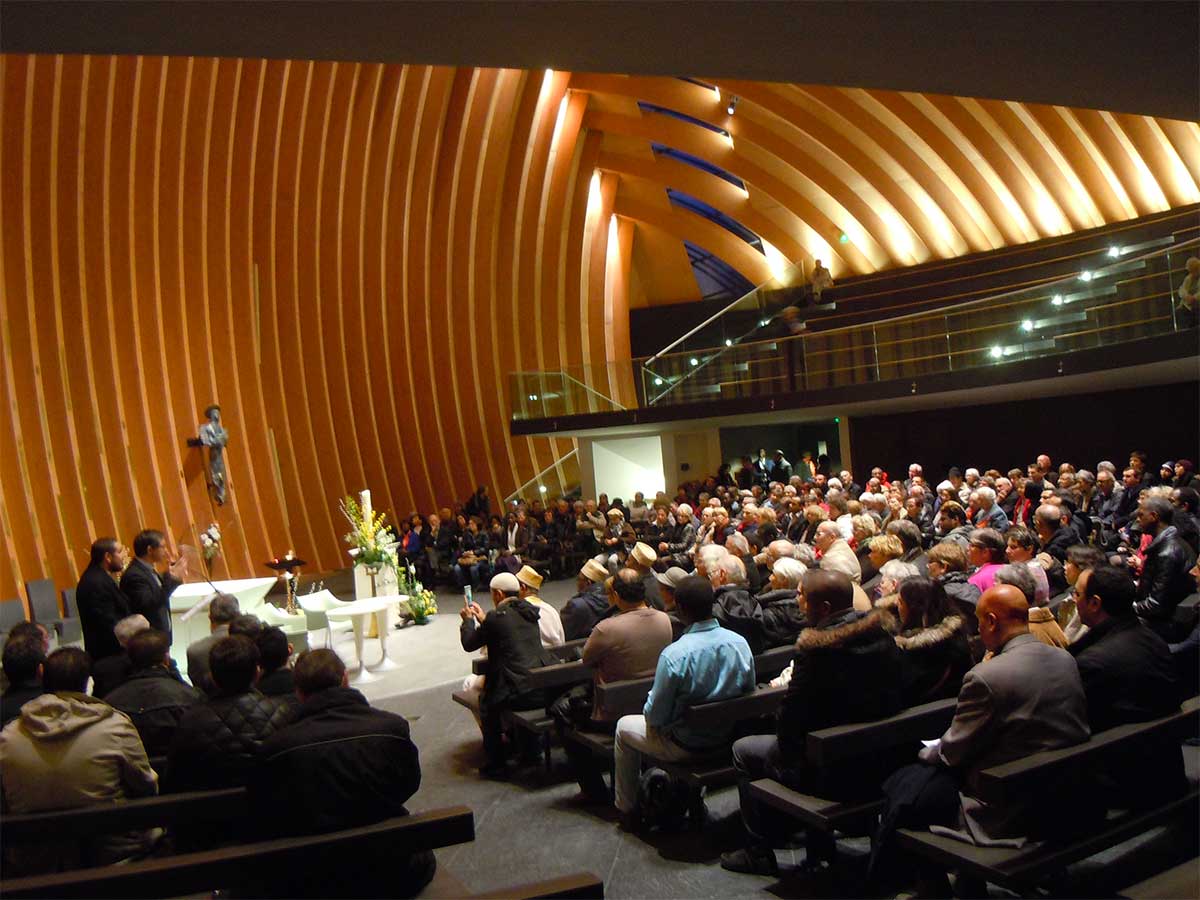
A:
[538,477]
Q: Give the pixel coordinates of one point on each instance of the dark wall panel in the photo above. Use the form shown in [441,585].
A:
[1083,429]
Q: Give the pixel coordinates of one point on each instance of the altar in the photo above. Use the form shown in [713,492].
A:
[251,594]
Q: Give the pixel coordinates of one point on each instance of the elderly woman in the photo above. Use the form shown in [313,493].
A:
[738,546]
[864,528]
[880,550]
[814,515]
[894,573]
[779,617]
[933,638]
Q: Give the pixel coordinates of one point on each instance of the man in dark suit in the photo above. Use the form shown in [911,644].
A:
[1028,697]
[151,578]
[100,601]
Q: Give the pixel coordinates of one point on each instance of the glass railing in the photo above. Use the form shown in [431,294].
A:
[1123,298]
[743,318]
[1124,295]
[573,391]
[562,478]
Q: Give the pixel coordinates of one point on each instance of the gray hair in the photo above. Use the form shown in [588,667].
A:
[806,554]
[735,571]
[1021,578]
[781,549]
[788,572]
[898,571]
[737,543]
[711,554]
[129,626]
[1106,466]
[224,608]
[985,493]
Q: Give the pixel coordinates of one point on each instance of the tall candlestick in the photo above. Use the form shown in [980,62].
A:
[365,502]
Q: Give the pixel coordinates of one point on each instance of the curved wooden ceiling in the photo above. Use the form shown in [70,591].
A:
[351,259]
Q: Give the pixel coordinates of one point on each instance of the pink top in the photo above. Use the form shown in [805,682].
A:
[985,576]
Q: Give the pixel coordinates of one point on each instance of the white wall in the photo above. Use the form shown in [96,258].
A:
[700,451]
[623,466]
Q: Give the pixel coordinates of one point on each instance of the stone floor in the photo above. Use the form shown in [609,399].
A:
[530,827]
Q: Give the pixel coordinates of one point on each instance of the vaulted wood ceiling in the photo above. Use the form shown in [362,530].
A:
[351,258]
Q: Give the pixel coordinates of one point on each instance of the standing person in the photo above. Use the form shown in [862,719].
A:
[151,579]
[821,281]
[100,601]
[479,504]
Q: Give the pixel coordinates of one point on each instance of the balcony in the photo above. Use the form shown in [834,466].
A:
[1118,309]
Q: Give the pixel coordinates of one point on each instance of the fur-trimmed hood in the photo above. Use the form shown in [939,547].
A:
[845,628]
[921,638]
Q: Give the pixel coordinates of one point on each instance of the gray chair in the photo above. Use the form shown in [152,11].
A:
[71,631]
[12,612]
[43,603]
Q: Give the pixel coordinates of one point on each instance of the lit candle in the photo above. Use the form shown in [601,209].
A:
[365,498]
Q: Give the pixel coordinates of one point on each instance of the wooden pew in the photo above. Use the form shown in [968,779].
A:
[67,827]
[568,652]
[846,745]
[628,698]
[716,770]
[1021,868]
[263,868]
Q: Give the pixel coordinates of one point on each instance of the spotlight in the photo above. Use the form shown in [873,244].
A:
[728,342]
[1058,300]
[1027,325]
[1114,252]
[541,489]
[1085,276]
[693,361]
[533,397]
[733,102]
[763,323]
[996,352]
[658,382]
[843,238]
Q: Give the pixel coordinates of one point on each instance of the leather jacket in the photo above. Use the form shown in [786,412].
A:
[1165,580]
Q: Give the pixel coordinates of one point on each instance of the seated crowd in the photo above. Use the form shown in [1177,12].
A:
[1044,600]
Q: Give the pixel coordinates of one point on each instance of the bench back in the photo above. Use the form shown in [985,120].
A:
[1021,776]
[846,742]
[568,652]
[628,698]
[558,675]
[227,805]
[719,714]
[264,868]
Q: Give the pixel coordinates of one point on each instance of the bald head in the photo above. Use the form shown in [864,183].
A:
[1003,613]
[825,594]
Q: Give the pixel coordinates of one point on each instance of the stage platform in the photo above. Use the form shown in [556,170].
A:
[427,655]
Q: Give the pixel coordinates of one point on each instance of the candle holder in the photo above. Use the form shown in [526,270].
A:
[287,566]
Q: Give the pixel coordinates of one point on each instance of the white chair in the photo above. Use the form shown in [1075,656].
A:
[315,605]
[295,627]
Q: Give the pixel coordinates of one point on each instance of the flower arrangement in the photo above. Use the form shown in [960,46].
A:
[422,605]
[373,540]
[210,542]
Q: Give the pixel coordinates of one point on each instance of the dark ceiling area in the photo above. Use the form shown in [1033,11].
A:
[1137,57]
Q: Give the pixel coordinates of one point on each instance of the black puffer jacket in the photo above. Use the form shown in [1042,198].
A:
[772,619]
[216,741]
[1165,580]
[156,702]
